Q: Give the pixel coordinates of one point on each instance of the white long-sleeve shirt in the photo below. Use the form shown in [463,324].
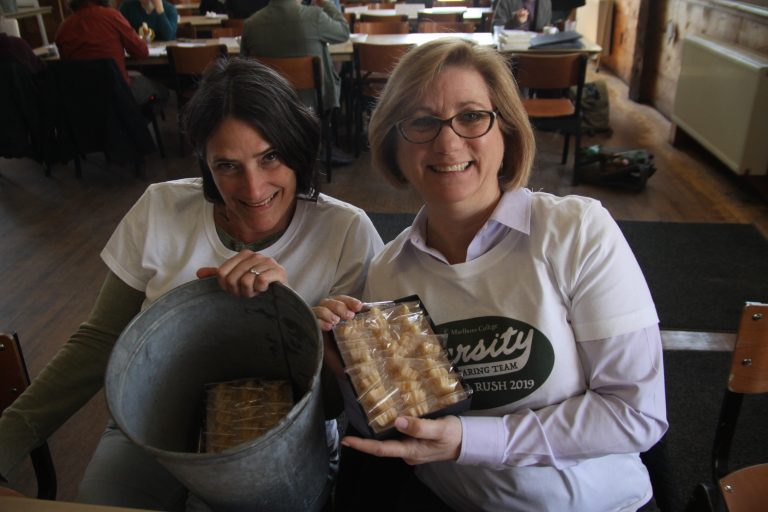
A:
[552,324]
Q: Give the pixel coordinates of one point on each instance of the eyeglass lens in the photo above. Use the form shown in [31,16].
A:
[469,125]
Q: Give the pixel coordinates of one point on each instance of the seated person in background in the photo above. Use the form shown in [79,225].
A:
[242,9]
[253,218]
[159,15]
[217,6]
[97,31]
[15,48]
[531,15]
[286,28]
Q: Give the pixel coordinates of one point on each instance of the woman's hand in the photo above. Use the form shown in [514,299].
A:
[246,274]
[427,441]
[333,310]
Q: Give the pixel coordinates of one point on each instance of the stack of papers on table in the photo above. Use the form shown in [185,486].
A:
[515,39]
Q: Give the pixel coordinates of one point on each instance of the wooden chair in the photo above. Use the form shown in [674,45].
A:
[373,64]
[187,65]
[306,73]
[440,16]
[384,27]
[101,115]
[186,31]
[14,379]
[383,18]
[452,3]
[27,129]
[351,18]
[236,23]
[486,22]
[545,81]
[448,26]
[744,489]
[218,32]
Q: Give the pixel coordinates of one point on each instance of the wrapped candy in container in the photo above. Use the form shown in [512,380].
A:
[398,366]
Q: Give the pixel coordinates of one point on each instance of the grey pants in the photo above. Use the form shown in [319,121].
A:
[123,474]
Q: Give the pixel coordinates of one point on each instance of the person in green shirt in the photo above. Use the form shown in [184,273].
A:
[159,15]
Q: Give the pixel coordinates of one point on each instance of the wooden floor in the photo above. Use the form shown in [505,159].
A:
[53,229]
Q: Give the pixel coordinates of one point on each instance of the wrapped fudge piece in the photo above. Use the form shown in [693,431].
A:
[242,410]
[397,365]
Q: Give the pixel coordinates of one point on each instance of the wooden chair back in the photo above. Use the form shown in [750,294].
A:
[486,22]
[351,18]
[192,60]
[539,71]
[386,27]
[304,73]
[446,26]
[749,366]
[377,58]
[233,23]
[440,16]
[186,31]
[745,489]
[218,32]
[379,5]
[14,379]
[383,18]
[556,110]
[450,3]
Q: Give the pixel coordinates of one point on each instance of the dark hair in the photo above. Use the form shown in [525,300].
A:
[257,95]
[77,4]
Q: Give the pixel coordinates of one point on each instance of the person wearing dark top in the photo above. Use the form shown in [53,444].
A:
[217,6]
[531,15]
[242,9]
[159,15]
[15,48]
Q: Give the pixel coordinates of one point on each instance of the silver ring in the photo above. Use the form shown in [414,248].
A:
[255,272]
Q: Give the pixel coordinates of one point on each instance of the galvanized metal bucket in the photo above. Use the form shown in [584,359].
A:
[198,334]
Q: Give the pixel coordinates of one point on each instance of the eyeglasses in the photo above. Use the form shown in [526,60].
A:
[469,125]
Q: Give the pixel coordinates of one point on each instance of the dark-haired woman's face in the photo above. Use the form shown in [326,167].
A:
[258,189]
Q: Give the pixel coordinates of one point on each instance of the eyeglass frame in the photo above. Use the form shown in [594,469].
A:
[447,122]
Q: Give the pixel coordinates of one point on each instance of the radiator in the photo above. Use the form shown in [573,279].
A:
[722,102]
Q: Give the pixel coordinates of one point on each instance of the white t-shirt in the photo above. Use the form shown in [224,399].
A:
[514,316]
[170,233]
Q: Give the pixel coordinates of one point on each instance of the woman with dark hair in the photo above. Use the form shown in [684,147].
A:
[545,311]
[254,218]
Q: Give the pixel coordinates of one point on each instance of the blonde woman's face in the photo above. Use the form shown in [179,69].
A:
[452,170]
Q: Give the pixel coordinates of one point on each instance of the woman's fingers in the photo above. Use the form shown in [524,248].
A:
[246,274]
[427,441]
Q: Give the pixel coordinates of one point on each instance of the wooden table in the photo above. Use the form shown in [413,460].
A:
[344,51]
[34,505]
[200,21]
[411,10]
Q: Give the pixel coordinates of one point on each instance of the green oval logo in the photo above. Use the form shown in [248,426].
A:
[504,360]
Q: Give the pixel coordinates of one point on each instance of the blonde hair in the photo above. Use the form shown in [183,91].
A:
[412,80]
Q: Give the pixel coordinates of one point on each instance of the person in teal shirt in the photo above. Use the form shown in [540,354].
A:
[159,15]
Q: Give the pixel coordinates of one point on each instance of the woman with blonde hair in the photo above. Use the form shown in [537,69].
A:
[547,314]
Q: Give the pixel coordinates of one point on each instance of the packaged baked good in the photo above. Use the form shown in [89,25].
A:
[241,410]
[397,365]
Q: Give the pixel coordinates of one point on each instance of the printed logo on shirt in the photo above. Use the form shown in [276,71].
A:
[504,360]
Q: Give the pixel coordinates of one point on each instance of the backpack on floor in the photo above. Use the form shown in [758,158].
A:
[626,169]
[595,109]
